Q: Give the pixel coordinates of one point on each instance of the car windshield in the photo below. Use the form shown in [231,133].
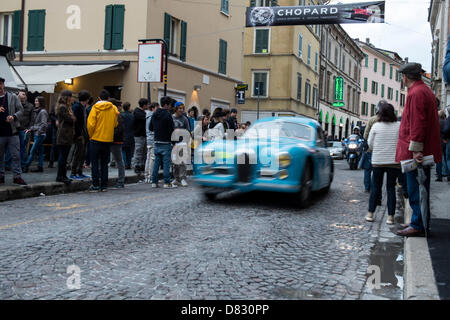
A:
[336,145]
[284,129]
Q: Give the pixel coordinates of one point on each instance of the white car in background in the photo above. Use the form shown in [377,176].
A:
[336,150]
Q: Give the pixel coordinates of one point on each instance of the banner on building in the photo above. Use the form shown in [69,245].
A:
[150,65]
[366,12]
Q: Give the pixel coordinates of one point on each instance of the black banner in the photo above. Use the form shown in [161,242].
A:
[366,12]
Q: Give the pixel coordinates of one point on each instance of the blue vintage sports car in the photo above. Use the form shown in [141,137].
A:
[276,154]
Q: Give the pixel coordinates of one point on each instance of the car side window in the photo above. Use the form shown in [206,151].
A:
[320,140]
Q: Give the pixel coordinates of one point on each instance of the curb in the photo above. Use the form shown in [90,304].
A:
[420,282]
[55,188]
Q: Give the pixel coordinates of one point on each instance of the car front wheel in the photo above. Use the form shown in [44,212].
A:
[304,196]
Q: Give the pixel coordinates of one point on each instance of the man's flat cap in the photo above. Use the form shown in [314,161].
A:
[411,68]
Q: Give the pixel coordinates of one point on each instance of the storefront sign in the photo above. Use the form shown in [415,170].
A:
[366,12]
[150,65]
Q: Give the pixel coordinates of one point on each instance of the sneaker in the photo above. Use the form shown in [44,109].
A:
[170,186]
[19,181]
[119,186]
[2,180]
[64,180]
[94,189]
[390,220]
[38,169]
[103,189]
[75,177]
[83,176]
[154,185]
[439,180]
[184,183]
[369,217]
[50,165]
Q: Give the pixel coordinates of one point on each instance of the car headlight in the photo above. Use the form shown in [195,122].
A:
[353,146]
[209,156]
[284,160]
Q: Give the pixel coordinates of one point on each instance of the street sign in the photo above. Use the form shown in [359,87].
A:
[242,86]
[241,97]
[150,65]
[365,12]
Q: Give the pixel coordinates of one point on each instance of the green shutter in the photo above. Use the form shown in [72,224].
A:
[36,30]
[118,27]
[365,84]
[108,27]
[382,90]
[390,73]
[384,69]
[396,95]
[17,19]
[375,64]
[274,3]
[183,41]
[167,26]
[252,3]
[222,57]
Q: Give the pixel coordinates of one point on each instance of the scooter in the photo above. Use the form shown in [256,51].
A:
[353,151]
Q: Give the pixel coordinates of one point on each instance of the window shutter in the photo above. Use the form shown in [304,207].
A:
[222,56]
[183,41]
[252,3]
[167,27]
[299,87]
[108,27]
[36,30]
[365,84]
[273,3]
[17,17]
[118,27]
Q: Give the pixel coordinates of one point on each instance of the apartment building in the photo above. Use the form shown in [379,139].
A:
[281,66]
[439,32]
[93,45]
[340,82]
[380,79]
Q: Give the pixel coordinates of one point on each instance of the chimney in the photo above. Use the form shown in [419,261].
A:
[368,40]
[406,60]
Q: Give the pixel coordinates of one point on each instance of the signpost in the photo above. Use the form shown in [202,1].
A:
[339,93]
[153,63]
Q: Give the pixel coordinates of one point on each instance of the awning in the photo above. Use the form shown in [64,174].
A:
[44,76]
[7,73]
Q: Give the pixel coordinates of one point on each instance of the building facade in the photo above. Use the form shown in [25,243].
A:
[340,82]
[281,67]
[94,45]
[380,80]
[439,32]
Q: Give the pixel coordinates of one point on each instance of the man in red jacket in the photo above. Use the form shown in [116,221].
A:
[419,136]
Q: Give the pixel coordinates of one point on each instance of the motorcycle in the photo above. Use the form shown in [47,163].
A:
[353,151]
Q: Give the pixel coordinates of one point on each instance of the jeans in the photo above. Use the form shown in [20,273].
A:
[23,154]
[79,154]
[116,150]
[62,161]
[367,166]
[414,197]
[140,152]
[441,167]
[11,143]
[38,148]
[378,174]
[127,154]
[54,149]
[99,166]
[163,153]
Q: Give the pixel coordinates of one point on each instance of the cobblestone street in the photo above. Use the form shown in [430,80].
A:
[143,243]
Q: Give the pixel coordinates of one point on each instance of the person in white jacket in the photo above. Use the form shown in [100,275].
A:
[382,142]
[216,129]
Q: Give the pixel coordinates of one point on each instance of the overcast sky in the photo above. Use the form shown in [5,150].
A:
[406,30]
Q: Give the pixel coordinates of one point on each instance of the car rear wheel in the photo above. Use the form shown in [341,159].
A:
[210,194]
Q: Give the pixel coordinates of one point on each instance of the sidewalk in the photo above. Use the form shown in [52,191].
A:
[44,184]
[427,261]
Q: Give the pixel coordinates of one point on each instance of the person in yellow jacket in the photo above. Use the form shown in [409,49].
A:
[102,120]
